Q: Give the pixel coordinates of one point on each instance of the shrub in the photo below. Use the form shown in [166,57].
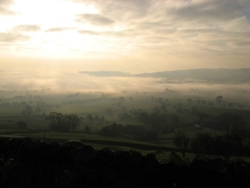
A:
[21,125]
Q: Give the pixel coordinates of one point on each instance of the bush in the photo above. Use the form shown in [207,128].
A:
[21,125]
[202,143]
[87,129]
[112,130]
[226,145]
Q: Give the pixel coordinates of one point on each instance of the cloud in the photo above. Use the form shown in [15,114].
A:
[58,29]
[121,8]
[4,11]
[12,37]
[209,11]
[4,4]
[27,28]
[15,34]
[94,19]
[240,24]
[190,29]
[146,30]
[243,43]
[89,32]
[122,33]
[171,10]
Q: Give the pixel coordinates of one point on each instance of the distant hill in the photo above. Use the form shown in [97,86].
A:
[207,75]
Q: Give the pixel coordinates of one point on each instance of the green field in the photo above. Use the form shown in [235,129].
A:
[112,106]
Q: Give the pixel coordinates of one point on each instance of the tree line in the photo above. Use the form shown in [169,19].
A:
[62,123]
[230,144]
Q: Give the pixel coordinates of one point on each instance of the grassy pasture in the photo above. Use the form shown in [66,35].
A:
[93,103]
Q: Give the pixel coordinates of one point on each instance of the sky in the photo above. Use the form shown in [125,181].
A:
[125,35]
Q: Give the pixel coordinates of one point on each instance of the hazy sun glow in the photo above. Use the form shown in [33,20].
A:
[53,14]
[132,36]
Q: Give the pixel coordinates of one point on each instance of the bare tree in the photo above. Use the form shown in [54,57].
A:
[181,141]
[219,99]
[27,110]
[73,120]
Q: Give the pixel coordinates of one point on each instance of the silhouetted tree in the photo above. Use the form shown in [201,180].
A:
[125,117]
[38,109]
[181,141]
[87,128]
[58,122]
[90,117]
[194,110]
[21,125]
[103,118]
[219,99]
[109,111]
[122,99]
[112,130]
[27,110]
[97,118]
[73,121]
[232,121]
[143,117]
[202,143]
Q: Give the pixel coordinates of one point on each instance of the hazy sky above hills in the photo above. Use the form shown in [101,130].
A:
[128,35]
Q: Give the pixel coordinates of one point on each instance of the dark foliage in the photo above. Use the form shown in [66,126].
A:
[21,125]
[87,128]
[181,141]
[62,123]
[30,163]
[90,117]
[227,145]
[230,120]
